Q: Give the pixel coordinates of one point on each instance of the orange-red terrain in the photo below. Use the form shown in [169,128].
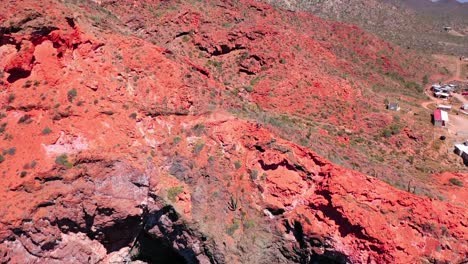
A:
[147,131]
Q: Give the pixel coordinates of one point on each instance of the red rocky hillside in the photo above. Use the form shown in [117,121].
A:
[186,132]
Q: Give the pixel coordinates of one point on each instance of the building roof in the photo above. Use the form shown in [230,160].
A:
[443,94]
[440,115]
[444,106]
[462,147]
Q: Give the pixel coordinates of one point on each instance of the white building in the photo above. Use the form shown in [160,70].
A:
[462,151]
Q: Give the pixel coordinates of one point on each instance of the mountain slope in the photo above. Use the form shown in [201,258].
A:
[153,131]
[417,24]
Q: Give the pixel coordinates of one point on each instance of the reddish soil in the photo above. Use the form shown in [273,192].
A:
[119,141]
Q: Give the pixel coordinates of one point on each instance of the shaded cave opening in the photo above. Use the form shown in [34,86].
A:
[156,251]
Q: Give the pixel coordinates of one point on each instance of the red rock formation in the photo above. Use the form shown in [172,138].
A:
[114,148]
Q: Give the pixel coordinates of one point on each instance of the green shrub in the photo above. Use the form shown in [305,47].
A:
[249,88]
[25,119]
[248,224]
[253,174]
[2,158]
[237,164]
[456,182]
[3,127]
[46,131]
[11,151]
[198,147]
[63,161]
[198,129]
[176,140]
[72,94]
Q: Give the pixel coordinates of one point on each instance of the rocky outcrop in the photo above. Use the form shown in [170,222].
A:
[118,150]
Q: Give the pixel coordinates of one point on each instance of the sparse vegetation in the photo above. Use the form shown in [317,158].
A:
[10,151]
[3,127]
[62,160]
[198,147]
[456,182]
[176,140]
[26,119]
[231,229]
[71,94]
[232,204]
[11,98]
[253,174]
[199,129]
[46,131]
[237,164]
[248,88]
[27,84]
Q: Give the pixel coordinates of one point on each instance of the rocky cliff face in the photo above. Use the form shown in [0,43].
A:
[116,149]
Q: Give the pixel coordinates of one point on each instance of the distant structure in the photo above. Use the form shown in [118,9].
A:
[447,28]
[437,88]
[462,151]
[442,95]
[444,107]
[440,118]
[393,107]
[464,107]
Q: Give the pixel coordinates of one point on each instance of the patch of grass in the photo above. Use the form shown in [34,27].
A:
[393,129]
[173,192]
[2,158]
[256,80]
[248,224]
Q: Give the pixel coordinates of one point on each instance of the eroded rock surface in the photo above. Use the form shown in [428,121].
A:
[116,149]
